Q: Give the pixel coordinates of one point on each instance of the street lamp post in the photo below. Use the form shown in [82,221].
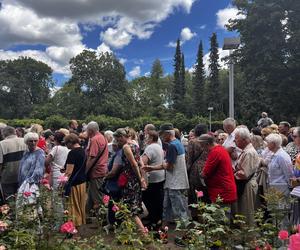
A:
[231,44]
[210,109]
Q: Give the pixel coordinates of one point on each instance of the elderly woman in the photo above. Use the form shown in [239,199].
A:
[32,164]
[76,187]
[293,149]
[280,167]
[55,162]
[132,180]
[37,128]
[280,171]
[153,196]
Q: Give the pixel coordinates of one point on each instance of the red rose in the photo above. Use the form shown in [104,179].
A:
[44,181]
[283,235]
[68,227]
[27,194]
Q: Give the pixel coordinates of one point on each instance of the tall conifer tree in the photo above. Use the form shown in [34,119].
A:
[214,68]
[177,90]
[198,82]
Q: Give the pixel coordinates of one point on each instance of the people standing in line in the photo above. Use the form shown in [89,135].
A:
[153,196]
[96,164]
[131,180]
[217,171]
[229,125]
[73,126]
[196,157]
[175,206]
[55,163]
[284,129]
[75,171]
[246,167]
[108,134]
[11,152]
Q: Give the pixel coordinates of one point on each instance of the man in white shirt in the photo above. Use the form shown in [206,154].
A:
[229,125]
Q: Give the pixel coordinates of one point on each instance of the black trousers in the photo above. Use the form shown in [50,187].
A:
[153,198]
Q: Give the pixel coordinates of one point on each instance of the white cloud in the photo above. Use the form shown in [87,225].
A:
[37,55]
[19,25]
[103,48]
[224,15]
[122,60]
[222,54]
[147,74]
[185,35]
[135,72]
[202,27]
[55,25]
[172,44]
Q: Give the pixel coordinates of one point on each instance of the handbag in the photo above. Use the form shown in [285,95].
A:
[123,179]
[241,184]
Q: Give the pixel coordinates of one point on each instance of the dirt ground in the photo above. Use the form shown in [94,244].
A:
[89,230]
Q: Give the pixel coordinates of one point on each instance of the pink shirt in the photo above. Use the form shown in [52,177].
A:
[96,143]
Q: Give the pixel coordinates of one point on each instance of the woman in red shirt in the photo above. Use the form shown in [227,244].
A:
[218,172]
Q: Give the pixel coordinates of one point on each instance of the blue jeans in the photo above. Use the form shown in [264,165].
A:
[175,206]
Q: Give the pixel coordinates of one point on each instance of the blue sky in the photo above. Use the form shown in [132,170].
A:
[138,32]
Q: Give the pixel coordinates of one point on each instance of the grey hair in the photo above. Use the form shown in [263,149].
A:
[93,126]
[229,121]
[274,138]
[108,133]
[30,136]
[7,131]
[243,132]
[2,125]
[297,130]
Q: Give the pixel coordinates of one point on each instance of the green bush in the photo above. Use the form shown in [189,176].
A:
[56,122]
[24,122]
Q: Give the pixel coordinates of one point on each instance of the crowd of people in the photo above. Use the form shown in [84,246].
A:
[158,170]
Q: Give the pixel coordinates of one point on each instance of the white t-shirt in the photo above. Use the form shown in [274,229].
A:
[155,155]
[59,155]
[230,143]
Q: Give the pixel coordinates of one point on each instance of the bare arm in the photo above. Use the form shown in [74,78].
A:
[48,160]
[69,170]
[113,172]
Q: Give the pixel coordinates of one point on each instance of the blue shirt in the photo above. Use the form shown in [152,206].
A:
[32,167]
[280,169]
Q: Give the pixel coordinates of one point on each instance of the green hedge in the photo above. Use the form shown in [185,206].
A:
[112,123]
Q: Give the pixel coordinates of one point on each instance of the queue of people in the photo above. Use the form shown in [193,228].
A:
[157,169]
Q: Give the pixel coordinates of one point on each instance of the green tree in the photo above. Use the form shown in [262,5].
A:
[179,84]
[263,59]
[24,83]
[101,79]
[213,87]
[198,83]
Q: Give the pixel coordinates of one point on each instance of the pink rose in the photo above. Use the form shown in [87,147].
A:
[283,235]
[166,229]
[68,227]
[62,179]
[199,194]
[3,226]
[44,181]
[2,247]
[294,242]
[105,199]
[66,212]
[27,194]
[115,208]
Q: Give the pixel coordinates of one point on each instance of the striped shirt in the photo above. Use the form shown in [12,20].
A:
[11,152]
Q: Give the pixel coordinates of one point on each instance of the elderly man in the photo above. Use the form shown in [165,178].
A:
[229,125]
[245,170]
[96,164]
[284,129]
[11,151]
[175,204]
[264,121]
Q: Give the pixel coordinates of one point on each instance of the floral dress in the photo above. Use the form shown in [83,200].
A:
[132,192]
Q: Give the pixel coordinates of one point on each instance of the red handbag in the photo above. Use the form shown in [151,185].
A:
[122,180]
